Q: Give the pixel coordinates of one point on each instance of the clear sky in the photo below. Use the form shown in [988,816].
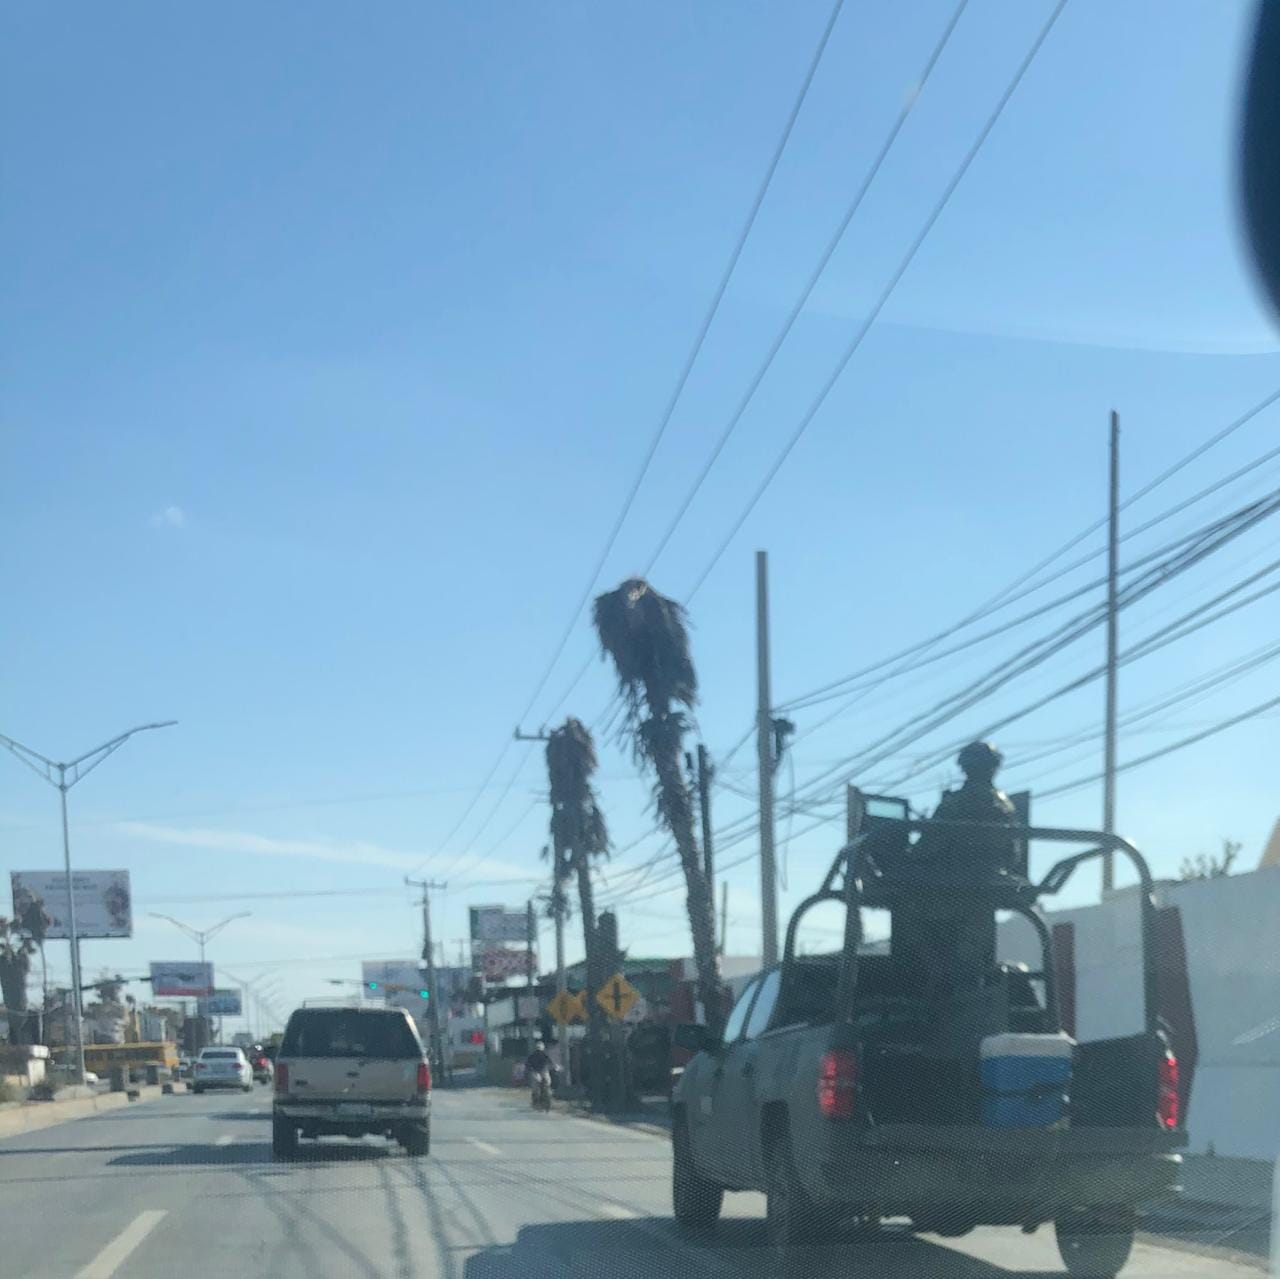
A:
[334,337]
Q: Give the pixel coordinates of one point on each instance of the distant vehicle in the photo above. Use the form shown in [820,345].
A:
[91,1079]
[351,1071]
[221,1068]
[185,1065]
[857,1085]
[263,1071]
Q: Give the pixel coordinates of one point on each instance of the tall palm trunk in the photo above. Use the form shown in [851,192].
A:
[679,810]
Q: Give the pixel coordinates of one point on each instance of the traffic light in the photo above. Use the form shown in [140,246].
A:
[371,985]
[424,993]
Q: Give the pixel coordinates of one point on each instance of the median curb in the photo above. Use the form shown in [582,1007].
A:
[655,1124]
[31,1116]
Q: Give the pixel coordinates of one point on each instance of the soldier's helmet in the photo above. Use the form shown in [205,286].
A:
[980,760]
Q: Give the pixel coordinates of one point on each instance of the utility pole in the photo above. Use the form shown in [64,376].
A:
[530,940]
[724,913]
[705,773]
[764,757]
[1113,571]
[558,908]
[63,777]
[429,954]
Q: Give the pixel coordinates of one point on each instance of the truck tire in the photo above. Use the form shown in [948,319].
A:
[1095,1244]
[696,1200]
[416,1140]
[284,1138]
[791,1217]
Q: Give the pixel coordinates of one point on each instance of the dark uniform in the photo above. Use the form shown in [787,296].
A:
[950,942]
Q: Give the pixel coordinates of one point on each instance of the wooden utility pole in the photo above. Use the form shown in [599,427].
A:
[764,759]
[429,955]
[705,774]
[1113,572]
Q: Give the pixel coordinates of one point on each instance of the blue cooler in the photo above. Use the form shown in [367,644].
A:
[1025,1080]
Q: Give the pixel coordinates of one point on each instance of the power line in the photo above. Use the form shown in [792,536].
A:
[1219,727]
[1004,599]
[692,357]
[883,299]
[811,284]
[1217,535]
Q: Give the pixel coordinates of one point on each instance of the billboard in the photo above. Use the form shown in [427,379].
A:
[181,979]
[104,905]
[222,1003]
[496,963]
[496,923]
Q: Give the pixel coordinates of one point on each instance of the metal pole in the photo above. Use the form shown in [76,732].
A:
[1109,748]
[429,954]
[764,757]
[530,940]
[724,914]
[557,903]
[76,1001]
[705,773]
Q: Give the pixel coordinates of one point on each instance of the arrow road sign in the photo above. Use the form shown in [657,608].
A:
[566,1007]
[616,996]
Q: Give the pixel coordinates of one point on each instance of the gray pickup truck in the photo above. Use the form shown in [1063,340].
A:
[850,1087]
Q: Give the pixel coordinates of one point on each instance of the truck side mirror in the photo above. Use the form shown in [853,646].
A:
[695,1038]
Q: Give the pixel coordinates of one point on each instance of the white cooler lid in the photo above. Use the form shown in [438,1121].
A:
[1014,1045]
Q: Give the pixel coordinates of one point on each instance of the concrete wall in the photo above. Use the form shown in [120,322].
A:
[1232,931]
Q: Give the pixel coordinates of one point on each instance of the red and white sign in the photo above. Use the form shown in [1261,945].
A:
[496,964]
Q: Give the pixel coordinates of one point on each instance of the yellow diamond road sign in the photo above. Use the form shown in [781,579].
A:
[616,996]
[566,1007]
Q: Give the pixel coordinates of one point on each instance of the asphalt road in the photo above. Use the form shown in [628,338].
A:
[185,1186]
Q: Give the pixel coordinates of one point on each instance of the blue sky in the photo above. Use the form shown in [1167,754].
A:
[334,338]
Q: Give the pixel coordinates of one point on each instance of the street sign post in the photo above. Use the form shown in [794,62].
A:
[616,997]
[566,1007]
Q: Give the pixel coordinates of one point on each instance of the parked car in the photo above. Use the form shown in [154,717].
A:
[351,1071]
[221,1068]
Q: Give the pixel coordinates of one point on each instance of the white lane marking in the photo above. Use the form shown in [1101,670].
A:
[484,1146]
[113,1256]
[617,1210]
[225,1140]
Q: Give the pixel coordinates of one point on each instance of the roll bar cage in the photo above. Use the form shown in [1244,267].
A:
[858,878]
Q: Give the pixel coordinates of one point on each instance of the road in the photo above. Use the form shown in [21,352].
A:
[186,1186]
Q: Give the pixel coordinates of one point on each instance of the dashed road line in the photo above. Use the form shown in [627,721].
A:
[225,1140]
[617,1211]
[484,1146]
[114,1255]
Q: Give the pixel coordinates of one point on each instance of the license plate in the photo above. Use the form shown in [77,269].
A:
[354,1110]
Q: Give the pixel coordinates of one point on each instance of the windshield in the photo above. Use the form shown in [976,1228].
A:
[735,540]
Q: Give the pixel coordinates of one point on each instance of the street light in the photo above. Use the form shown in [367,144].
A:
[247,989]
[202,935]
[63,777]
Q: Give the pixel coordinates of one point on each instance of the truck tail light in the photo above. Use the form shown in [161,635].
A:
[1167,1108]
[282,1077]
[424,1077]
[837,1083]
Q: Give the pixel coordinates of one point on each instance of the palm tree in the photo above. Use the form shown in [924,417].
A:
[645,635]
[34,921]
[16,950]
[578,830]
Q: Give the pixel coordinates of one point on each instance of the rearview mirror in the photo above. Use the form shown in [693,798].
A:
[695,1038]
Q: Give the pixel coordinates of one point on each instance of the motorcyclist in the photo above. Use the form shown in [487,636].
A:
[538,1068]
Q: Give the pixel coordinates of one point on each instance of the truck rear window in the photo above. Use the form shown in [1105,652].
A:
[344,1033]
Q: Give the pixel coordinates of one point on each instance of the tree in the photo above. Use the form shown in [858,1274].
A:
[579,836]
[16,949]
[1209,866]
[645,635]
[33,920]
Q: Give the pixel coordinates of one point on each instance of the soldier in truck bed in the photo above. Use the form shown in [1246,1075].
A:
[977,800]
